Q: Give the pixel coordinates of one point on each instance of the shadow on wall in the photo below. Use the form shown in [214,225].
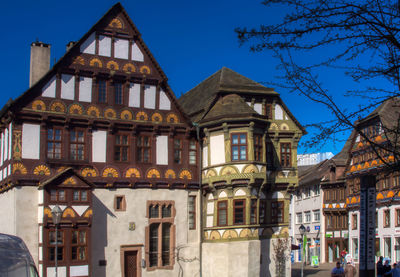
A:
[265,258]
[99,237]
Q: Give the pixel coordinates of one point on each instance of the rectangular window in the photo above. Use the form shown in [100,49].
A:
[77,145]
[307,192]
[239,211]
[78,245]
[316,190]
[54,143]
[222,213]
[270,154]
[118,93]
[277,210]
[166,244]
[316,215]
[192,152]
[355,248]
[79,196]
[397,218]
[57,195]
[253,211]
[386,218]
[286,155]
[388,247]
[143,149]
[121,148]
[354,222]
[258,146]
[177,151]
[261,212]
[299,218]
[192,212]
[119,203]
[307,217]
[239,147]
[153,247]
[52,245]
[268,110]
[102,91]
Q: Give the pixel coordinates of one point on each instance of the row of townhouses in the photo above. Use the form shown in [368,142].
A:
[327,201]
[148,184]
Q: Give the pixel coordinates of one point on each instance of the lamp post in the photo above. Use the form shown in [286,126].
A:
[302,231]
[56,213]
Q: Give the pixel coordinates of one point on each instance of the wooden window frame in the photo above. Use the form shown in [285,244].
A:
[270,154]
[118,93]
[79,244]
[354,221]
[161,221]
[253,211]
[58,199]
[258,148]
[262,211]
[192,152]
[57,144]
[74,144]
[275,218]
[192,212]
[386,215]
[102,91]
[80,196]
[120,147]
[238,146]
[141,149]
[52,246]
[122,204]
[219,209]
[286,154]
[243,208]
[397,217]
[178,149]
[268,110]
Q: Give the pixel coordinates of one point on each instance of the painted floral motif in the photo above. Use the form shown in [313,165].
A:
[153,173]
[126,115]
[88,172]
[110,172]
[17,145]
[170,174]
[41,170]
[185,174]
[132,173]
[19,168]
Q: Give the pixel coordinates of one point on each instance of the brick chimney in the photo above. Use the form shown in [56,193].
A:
[40,61]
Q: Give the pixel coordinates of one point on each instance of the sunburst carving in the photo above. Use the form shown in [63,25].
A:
[58,107]
[129,68]
[132,173]
[142,116]
[170,174]
[41,170]
[88,172]
[110,113]
[69,212]
[96,63]
[156,117]
[19,168]
[110,172]
[145,69]
[93,111]
[79,60]
[185,174]
[70,181]
[112,65]
[38,105]
[126,115]
[116,23]
[153,173]
[88,213]
[172,118]
[75,109]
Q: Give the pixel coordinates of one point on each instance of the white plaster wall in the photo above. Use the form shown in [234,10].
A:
[134,95]
[49,90]
[7,212]
[162,150]
[165,104]
[104,46]
[110,229]
[30,141]
[99,146]
[258,108]
[217,149]
[67,86]
[85,89]
[137,55]
[205,156]
[150,97]
[121,48]
[89,46]
[278,112]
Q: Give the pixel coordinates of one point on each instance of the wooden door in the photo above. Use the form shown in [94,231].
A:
[130,264]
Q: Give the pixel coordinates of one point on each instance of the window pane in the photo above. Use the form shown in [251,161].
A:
[76,195]
[83,195]
[153,247]
[166,233]
[239,210]
[154,211]
[166,211]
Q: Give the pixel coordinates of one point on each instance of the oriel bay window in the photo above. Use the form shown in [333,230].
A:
[160,235]
[258,146]
[239,146]
[286,155]
[121,148]
[54,136]
[77,144]
[222,213]
[143,149]
[277,210]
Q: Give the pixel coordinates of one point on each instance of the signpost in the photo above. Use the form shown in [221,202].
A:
[367,226]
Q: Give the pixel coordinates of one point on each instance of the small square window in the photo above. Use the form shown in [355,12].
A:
[119,203]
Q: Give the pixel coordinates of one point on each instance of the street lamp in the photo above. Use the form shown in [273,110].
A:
[302,231]
[56,213]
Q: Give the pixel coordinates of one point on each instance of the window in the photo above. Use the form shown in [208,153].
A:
[329,222]
[121,148]
[397,222]
[222,213]
[286,155]
[192,152]
[77,145]
[270,154]
[102,91]
[78,245]
[307,217]
[299,218]
[239,211]
[258,145]
[316,190]
[143,149]
[277,210]
[386,218]
[239,147]
[160,233]
[192,212]
[253,211]
[396,181]
[119,203]
[79,196]
[388,247]
[316,215]
[355,248]
[118,93]
[397,248]
[177,151]
[385,183]
[261,212]
[54,143]
[52,245]
[57,195]
[354,222]
[298,195]
[268,110]
[307,192]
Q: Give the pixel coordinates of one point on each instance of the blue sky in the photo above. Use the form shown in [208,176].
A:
[190,39]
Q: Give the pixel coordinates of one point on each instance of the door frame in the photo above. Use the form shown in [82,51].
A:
[130,248]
